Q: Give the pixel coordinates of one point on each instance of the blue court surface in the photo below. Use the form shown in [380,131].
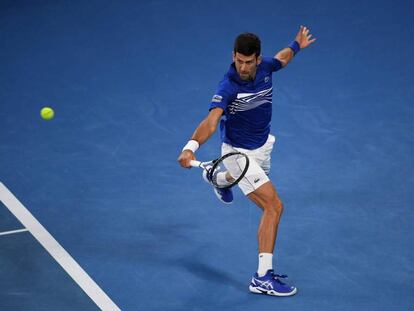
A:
[97,191]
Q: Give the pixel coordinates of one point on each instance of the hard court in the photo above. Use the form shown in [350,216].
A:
[96,213]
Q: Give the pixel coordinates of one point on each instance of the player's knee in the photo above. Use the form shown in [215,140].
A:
[274,206]
[278,206]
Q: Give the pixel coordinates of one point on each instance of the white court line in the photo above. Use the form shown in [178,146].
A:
[13,231]
[57,251]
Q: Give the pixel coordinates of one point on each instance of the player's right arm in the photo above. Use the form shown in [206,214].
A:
[202,133]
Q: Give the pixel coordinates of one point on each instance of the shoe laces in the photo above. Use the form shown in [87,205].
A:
[277,277]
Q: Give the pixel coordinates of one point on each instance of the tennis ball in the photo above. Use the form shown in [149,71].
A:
[47,113]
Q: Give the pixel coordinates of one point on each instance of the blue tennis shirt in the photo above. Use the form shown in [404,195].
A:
[247,105]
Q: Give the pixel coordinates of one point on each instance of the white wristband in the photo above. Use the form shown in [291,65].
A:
[192,145]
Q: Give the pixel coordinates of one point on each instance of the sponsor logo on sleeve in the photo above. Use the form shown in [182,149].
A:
[266,79]
[217,99]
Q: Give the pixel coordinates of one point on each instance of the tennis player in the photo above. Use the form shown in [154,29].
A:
[243,106]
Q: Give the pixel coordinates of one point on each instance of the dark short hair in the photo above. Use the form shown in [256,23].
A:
[247,43]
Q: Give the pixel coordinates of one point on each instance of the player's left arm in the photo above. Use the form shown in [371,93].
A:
[302,40]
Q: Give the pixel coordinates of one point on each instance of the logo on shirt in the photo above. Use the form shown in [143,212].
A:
[256,180]
[217,99]
[266,79]
[248,101]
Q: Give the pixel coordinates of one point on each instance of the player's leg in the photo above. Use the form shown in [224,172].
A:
[268,200]
[265,281]
[258,188]
[223,178]
[265,196]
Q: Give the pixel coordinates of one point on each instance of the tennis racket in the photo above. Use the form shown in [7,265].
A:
[231,166]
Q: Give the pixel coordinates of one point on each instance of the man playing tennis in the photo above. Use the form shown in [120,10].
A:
[243,105]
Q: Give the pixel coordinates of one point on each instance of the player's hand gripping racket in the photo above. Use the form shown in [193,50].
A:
[231,166]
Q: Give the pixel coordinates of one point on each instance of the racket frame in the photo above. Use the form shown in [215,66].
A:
[216,162]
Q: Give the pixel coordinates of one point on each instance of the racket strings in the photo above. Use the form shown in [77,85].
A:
[229,169]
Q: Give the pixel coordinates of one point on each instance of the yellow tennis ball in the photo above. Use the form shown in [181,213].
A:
[47,113]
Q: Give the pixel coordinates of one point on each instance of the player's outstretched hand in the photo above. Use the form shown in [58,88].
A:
[185,157]
[304,38]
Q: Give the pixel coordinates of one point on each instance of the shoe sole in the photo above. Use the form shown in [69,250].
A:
[271,292]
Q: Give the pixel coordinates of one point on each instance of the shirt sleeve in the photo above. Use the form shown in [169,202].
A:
[223,96]
[272,64]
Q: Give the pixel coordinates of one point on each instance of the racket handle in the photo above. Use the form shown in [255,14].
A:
[194,163]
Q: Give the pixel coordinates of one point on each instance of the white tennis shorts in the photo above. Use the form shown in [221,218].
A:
[259,164]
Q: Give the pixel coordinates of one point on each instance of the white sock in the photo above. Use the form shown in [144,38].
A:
[265,263]
[221,179]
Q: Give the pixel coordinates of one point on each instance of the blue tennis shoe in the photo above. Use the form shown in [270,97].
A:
[224,195]
[270,284]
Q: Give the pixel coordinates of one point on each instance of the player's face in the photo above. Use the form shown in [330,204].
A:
[246,66]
